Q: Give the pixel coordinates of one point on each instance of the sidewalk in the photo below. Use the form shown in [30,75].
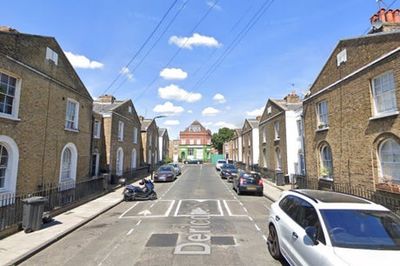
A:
[272,191]
[15,248]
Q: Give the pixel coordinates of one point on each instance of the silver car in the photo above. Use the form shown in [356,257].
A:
[177,168]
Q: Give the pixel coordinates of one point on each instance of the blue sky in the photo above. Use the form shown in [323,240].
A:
[288,45]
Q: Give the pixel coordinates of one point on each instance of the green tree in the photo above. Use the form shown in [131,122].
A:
[224,134]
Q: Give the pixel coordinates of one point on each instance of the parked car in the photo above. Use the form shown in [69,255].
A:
[219,164]
[193,161]
[228,171]
[177,168]
[165,173]
[313,227]
[248,182]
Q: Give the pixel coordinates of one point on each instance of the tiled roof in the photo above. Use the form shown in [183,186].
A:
[287,106]
[104,108]
[253,123]
[146,123]
[161,131]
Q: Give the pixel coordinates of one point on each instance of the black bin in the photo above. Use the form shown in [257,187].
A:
[280,178]
[33,213]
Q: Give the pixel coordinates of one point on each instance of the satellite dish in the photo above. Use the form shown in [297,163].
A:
[377,24]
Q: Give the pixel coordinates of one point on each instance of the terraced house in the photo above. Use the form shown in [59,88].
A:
[250,142]
[237,145]
[45,116]
[352,128]
[281,137]
[150,148]
[122,139]
[163,143]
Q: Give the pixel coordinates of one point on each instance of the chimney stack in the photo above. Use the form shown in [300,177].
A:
[385,21]
[106,99]
[292,98]
[8,29]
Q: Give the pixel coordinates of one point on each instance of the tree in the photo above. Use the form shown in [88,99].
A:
[224,134]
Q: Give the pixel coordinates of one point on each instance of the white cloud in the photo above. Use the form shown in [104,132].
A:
[81,61]
[195,40]
[126,72]
[171,122]
[225,124]
[255,112]
[206,124]
[212,4]
[219,98]
[173,92]
[173,73]
[168,108]
[190,111]
[210,111]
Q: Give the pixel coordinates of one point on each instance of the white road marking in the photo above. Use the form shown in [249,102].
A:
[244,208]
[133,206]
[177,208]
[256,226]
[241,203]
[220,208]
[130,232]
[170,208]
[265,238]
[151,206]
[139,222]
[250,218]
[268,208]
[227,208]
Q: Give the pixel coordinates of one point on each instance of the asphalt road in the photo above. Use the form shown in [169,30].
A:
[197,220]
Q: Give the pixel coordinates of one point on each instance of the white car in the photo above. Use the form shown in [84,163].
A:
[219,164]
[314,227]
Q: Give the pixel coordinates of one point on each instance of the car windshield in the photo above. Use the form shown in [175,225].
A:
[229,166]
[363,229]
[221,161]
[164,169]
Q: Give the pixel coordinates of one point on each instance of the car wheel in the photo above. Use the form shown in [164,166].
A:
[273,243]
[126,198]
[238,191]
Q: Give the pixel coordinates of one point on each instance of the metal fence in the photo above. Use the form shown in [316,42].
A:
[387,199]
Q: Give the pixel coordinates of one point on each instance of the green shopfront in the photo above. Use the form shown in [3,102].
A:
[195,152]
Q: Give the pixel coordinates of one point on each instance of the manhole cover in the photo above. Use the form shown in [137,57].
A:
[162,240]
[223,240]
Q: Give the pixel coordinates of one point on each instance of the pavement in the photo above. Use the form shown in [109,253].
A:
[21,246]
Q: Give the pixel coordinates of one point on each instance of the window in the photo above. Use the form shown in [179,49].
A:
[276,129]
[95,162]
[389,157]
[265,159]
[322,114]
[51,55]
[8,89]
[130,109]
[150,140]
[191,141]
[384,93]
[133,159]
[120,131]
[183,141]
[119,162]
[265,134]
[96,129]
[278,159]
[135,135]
[190,151]
[326,168]
[198,141]
[71,120]
[9,157]
[341,57]
[68,166]
[269,110]
[301,164]
[3,166]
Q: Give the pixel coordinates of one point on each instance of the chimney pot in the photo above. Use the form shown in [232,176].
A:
[292,98]
[107,98]
[389,16]
[381,14]
[396,16]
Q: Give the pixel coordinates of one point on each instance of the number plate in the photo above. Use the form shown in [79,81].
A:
[251,188]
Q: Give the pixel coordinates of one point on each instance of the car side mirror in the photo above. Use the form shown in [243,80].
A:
[312,233]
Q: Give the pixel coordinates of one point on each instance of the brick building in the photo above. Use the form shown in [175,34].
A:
[122,141]
[352,129]
[45,115]
[228,150]
[250,142]
[163,144]
[195,143]
[174,150]
[150,141]
[281,137]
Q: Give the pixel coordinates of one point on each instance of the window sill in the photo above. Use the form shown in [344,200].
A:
[96,137]
[326,178]
[277,139]
[71,130]
[322,129]
[384,115]
[10,117]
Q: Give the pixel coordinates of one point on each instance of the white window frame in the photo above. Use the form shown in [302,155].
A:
[278,158]
[51,55]
[76,117]
[135,135]
[191,141]
[391,93]
[276,130]
[322,118]
[133,159]
[96,129]
[300,130]
[121,126]
[119,162]
[323,163]
[68,183]
[381,163]
[264,132]
[16,99]
[198,141]
[10,182]
[150,140]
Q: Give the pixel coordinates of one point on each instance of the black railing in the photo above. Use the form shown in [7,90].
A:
[387,199]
